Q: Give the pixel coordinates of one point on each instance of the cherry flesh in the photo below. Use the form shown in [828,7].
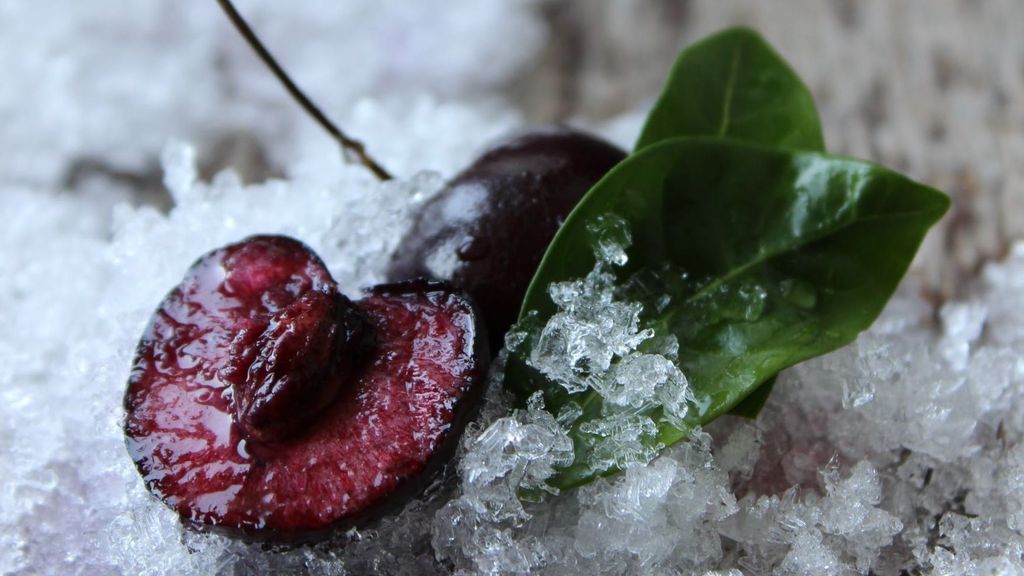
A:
[262,403]
[488,229]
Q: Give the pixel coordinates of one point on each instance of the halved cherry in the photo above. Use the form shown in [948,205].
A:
[264,403]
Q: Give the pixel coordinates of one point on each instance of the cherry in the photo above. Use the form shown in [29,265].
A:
[488,229]
[263,403]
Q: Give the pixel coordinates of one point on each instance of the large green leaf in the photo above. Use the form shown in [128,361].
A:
[823,241]
[733,85]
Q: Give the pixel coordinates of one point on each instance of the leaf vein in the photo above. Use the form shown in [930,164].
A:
[730,87]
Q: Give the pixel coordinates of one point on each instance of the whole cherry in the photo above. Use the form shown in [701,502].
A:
[487,230]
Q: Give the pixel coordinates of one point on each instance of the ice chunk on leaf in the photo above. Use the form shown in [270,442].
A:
[588,333]
[640,380]
[620,441]
[611,238]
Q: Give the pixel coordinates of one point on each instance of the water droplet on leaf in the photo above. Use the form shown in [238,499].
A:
[799,293]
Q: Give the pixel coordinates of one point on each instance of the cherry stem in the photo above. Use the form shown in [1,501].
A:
[348,145]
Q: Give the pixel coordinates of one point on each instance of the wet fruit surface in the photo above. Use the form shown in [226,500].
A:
[262,402]
[488,229]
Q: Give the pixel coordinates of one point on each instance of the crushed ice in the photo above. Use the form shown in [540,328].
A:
[594,341]
[901,452]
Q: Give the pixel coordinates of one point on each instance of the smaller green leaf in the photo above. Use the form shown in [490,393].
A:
[734,85]
[768,258]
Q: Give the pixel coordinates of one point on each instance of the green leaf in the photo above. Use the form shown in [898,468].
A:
[733,85]
[751,406]
[821,242]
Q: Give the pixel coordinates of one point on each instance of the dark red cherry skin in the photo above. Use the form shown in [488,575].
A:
[262,404]
[488,229]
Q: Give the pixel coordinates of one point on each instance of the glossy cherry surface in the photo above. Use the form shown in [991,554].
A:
[488,229]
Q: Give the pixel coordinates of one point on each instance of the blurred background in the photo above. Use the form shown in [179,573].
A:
[93,90]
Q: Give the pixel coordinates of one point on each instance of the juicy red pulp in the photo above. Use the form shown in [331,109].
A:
[249,409]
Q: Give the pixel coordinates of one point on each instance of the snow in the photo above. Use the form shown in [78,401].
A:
[902,451]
